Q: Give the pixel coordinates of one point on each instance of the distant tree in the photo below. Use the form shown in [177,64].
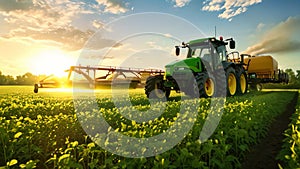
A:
[292,75]
[10,80]
[298,74]
[26,79]
[2,79]
[298,77]
[6,80]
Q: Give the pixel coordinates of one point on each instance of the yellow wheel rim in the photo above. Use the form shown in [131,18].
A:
[243,83]
[232,84]
[209,87]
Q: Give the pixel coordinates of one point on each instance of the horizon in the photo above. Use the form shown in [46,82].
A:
[46,38]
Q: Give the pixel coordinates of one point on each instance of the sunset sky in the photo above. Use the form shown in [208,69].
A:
[48,36]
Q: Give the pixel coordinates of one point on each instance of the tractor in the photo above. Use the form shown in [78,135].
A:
[208,70]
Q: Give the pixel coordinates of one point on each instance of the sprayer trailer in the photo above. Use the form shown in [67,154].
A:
[263,69]
[207,71]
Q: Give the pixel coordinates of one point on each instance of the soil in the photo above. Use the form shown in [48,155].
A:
[263,155]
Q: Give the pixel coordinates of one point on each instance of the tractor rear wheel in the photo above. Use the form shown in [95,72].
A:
[242,85]
[155,88]
[231,81]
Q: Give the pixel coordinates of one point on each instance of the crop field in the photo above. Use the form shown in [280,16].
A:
[45,130]
[290,153]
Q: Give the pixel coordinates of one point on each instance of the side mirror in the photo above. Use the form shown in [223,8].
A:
[177,51]
[232,44]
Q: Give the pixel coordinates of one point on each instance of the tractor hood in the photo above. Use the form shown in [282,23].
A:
[188,64]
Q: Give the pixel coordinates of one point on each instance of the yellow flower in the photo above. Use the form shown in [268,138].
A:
[17,135]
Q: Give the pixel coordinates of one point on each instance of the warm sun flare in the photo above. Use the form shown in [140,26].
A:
[52,62]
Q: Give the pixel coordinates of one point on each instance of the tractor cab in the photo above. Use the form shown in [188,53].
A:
[210,51]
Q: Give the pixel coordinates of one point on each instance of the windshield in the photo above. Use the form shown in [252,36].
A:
[222,53]
[208,53]
[199,50]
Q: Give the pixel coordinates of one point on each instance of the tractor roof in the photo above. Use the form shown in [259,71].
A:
[212,39]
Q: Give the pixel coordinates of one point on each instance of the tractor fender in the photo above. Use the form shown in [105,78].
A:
[226,65]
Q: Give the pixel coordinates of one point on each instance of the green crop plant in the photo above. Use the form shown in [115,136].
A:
[44,131]
[290,153]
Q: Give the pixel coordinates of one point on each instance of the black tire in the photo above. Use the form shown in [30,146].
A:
[154,87]
[206,85]
[192,89]
[36,88]
[256,87]
[231,81]
[242,82]
[167,92]
[133,84]
[202,86]
[220,83]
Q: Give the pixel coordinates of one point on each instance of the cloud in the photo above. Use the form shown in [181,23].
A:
[51,20]
[68,38]
[101,43]
[181,3]
[229,8]
[98,24]
[12,5]
[260,26]
[113,6]
[280,38]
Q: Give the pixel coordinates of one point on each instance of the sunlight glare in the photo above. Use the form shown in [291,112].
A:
[52,62]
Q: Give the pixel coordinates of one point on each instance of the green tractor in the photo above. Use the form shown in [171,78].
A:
[208,71]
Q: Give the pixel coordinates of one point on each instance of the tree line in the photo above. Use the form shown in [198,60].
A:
[294,77]
[26,79]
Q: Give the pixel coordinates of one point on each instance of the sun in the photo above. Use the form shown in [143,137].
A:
[52,62]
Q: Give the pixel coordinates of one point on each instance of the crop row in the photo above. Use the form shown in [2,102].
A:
[290,153]
[49,132]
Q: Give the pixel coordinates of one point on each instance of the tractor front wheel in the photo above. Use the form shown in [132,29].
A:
[155,88]
[36,88]
[206,85]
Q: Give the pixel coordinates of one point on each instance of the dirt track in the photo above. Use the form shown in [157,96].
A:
[263,155]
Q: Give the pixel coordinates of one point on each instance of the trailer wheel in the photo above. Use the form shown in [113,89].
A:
[242,85]
[231,81]
[154,88]
[36,88]
[259,87]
